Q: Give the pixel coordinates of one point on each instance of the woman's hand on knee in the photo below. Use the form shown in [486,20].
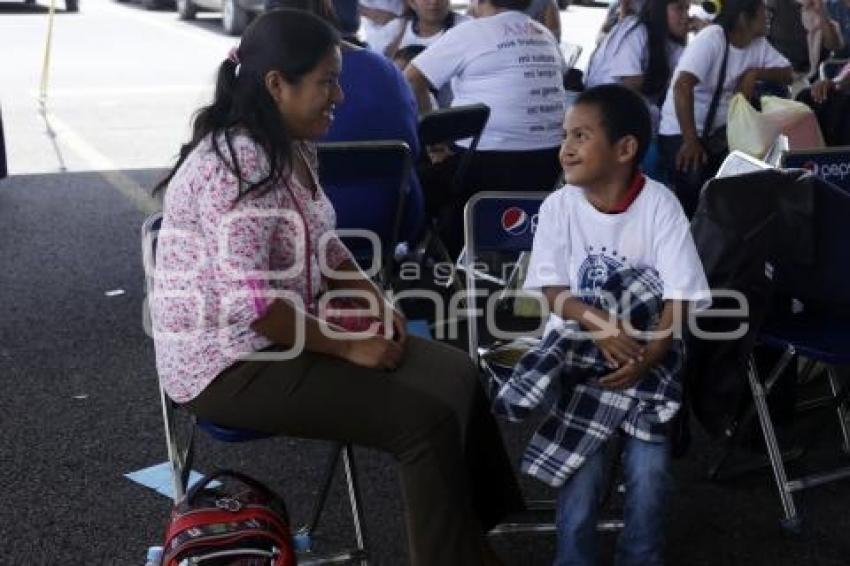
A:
[374,352]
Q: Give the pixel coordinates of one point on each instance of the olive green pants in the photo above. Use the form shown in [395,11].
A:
[431,414]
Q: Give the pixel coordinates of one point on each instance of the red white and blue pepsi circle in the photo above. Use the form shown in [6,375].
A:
[515,221]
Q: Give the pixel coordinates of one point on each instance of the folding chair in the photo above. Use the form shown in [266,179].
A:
[447,126]
[830,68]
[181,446]
[819,334]
[503,222]
[367,182]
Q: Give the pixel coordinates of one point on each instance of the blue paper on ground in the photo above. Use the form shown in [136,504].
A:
[419,327]
[158,478]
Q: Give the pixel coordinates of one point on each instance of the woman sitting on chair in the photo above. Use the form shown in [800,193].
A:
[247,248]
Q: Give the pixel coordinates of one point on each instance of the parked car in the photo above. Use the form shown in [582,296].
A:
[153,4]
[235,14]
[70,5]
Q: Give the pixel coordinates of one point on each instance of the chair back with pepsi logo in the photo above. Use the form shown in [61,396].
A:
[501,222]
[832,164]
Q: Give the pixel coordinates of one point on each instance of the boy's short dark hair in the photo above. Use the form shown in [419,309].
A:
[624,113]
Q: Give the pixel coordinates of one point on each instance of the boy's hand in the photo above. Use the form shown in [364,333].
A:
[612,339]
[620,350]
[625,377]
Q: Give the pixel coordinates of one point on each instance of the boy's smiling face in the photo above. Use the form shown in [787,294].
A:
[588,157]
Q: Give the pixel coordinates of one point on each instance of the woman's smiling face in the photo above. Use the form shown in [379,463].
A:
[307,106]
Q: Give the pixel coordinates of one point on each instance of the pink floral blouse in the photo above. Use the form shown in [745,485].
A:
[220,261]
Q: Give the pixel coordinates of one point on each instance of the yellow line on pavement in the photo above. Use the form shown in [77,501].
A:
[102,165]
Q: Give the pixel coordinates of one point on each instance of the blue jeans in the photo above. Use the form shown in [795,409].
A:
[645,466]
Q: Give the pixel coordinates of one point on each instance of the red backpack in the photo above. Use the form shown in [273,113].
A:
[245,525]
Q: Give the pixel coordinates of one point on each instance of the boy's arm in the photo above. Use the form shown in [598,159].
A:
[656,349]
[609,335]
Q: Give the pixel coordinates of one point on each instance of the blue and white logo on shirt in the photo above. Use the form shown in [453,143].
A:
[596,268]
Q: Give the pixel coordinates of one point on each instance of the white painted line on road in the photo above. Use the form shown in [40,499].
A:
[127,90]
[102,165]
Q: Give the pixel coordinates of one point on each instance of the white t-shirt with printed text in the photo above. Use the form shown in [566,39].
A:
[579,247]
[702,58]
[513,65]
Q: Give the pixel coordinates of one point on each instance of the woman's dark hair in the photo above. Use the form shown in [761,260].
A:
[731,10]
[623,112]
[654,17]
[520,5]
[288,41]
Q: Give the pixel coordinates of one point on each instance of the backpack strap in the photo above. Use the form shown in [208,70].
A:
[715,99]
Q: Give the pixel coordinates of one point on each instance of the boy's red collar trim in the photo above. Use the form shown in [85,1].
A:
[635,187]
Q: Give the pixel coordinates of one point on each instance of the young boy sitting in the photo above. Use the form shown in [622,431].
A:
[613,255]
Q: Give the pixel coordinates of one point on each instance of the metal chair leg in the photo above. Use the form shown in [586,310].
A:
[356,502]
[322,497]
[179,458]
[792,520]
[841,409]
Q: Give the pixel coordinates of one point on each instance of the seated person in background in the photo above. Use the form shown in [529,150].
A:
[512,64]
[618,11]
[609,229]
[837,37]
[787,34]
[547,13]
[376,15]
[642,51]
[830,99]
[247,179]
[423,23]
[378,106]
[691,149]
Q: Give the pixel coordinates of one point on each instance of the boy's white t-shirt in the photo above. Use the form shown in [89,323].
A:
[702,58]
[513,65]
[577,246]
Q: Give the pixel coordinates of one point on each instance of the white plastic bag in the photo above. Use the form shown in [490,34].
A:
[748,130]
[798,122]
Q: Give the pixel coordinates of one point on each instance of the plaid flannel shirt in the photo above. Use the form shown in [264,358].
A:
[563,371]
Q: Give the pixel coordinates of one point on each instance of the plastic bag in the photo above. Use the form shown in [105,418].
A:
[755,132]
[749,130]
[799,122]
